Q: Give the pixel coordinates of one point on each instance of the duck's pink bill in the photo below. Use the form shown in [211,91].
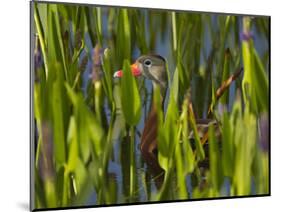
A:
[135,71]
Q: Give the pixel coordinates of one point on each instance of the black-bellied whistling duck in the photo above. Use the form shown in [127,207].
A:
[153,67]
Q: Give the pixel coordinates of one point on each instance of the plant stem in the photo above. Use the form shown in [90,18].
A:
[174,28]
[132,161]
[41,38]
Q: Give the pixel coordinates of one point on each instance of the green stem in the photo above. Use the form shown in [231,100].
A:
[105,157]
[39,28]
[180,167]
[174,28]
[109,136]
[132,161]
[164,193]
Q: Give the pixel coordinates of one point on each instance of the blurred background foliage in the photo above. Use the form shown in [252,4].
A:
[88,124]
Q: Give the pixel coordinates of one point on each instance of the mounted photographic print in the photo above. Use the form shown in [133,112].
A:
[138,105]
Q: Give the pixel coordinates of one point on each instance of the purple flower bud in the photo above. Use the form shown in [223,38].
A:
[38,59]
[246,36]
[97,53]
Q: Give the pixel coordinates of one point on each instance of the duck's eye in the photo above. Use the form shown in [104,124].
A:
[147,62]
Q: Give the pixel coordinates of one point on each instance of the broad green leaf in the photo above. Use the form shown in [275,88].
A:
[130,97]
[96,133]
[123,45]
[188,155]
[58,119]
[255,81]
[90,132]
[244,140]
[167,135]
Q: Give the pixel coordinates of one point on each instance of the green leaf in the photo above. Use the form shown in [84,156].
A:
[167,135]
[215,162]
[255,81]
[73,144]
[123,44]
[39,27]
[58,119]
[199,147]
[140,30]
[261,83]
[98,23]
[226,73]
[245,140]
[188,155]
[107,70]
[228,149]
[130,97]
[175,84]
[90,133]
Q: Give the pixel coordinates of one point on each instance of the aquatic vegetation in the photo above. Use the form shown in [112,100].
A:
[89,124]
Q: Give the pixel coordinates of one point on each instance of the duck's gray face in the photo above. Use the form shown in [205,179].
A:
[152,67]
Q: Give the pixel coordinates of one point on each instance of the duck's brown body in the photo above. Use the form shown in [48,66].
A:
[149,134]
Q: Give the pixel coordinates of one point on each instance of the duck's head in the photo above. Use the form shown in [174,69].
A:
[152,67]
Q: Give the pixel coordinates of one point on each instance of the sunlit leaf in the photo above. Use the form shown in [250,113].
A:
[130,98]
